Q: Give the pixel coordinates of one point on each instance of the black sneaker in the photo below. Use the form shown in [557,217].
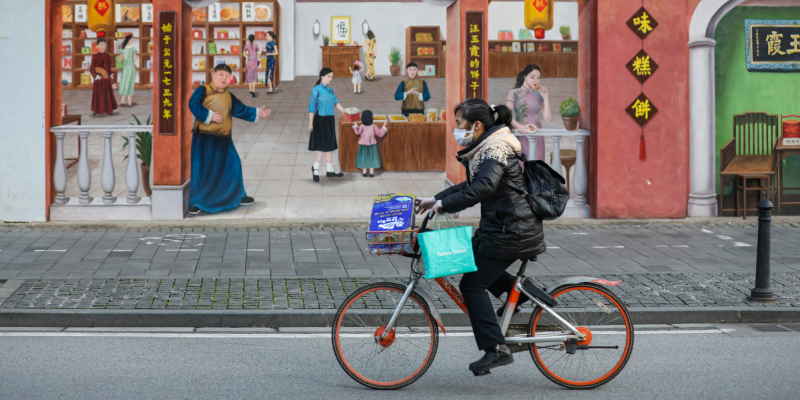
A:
[334,174]
[316,176]
[371,175]
[194,210]
[246,201]
[364,175]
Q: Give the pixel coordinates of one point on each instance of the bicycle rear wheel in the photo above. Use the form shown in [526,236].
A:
[602,317]
[399,359]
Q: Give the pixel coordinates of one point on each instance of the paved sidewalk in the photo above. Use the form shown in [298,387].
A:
[299,276]
[341,252]
[637,290]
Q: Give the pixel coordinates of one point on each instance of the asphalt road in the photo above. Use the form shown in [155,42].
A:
[674,364]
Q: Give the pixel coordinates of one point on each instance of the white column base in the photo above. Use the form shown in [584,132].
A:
[573,211]
[170,202]
[702,205]
[74,210]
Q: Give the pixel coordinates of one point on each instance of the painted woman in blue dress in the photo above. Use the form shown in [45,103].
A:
[217,183]
[272,50]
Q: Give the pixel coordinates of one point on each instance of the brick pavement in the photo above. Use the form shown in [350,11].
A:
[636,290]
[315,268]
[341,252]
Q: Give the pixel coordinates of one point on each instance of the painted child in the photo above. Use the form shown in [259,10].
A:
[368,157]
[356,71]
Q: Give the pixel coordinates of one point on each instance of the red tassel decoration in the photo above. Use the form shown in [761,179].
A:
[642,153]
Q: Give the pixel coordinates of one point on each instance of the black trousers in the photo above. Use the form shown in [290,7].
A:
[491,275]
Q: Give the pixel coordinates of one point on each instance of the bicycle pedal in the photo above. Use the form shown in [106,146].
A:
[482,373]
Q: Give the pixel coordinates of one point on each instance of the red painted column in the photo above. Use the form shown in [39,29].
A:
[171,154]
[456,73]
[53,101]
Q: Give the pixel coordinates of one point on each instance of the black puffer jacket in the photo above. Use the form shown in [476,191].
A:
[508,228]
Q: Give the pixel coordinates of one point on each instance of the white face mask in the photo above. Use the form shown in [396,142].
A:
[464,137]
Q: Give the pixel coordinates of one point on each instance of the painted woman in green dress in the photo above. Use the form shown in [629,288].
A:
[128,78]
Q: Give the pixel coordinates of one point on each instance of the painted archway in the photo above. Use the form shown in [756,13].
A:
[702,123]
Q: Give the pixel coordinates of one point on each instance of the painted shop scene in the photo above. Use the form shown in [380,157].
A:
[313,109]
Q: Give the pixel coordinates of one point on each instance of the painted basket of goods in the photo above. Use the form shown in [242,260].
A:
[791,128]
[352,114]
[398,118]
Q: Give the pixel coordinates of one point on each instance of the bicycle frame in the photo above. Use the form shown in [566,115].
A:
[513,299]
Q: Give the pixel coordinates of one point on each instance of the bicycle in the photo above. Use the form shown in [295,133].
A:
[393,346]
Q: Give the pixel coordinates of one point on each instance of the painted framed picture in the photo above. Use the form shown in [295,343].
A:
[772,45]
[340,30]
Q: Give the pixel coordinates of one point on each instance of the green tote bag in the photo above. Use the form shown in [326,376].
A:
[447,251]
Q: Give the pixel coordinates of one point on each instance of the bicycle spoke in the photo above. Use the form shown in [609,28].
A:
[589,308]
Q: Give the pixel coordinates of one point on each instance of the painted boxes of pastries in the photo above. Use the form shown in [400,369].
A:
[352,114]
[425,51]
[398,118]
[423,37]
[416,117]
[378,119]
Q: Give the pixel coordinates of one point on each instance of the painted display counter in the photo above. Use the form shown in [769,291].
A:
[340,59]
[408,146]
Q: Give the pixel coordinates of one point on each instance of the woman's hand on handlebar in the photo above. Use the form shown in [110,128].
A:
[437,208]
[425,204]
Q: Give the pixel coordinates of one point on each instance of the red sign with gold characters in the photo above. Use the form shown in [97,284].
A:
[642,110]
[102,7]
[167,29]
[475,69]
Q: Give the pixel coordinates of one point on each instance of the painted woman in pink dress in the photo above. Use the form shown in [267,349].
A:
[528,100]
[252,50]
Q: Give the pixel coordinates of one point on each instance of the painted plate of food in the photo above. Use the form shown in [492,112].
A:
[263,13]
[398,118]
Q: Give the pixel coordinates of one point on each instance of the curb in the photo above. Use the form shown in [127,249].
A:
[362,223]
[323,318]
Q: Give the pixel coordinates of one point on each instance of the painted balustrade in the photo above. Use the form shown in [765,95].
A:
[107,173]
[576,206]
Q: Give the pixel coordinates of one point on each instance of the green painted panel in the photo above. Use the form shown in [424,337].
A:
[739,91]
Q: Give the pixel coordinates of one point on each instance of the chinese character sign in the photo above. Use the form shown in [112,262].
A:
[475,68]
[772,45]
[147,13]
[642,66]
[81,13]
[213,12]
[340,30]
[167,86]
[248,12]
[642,23]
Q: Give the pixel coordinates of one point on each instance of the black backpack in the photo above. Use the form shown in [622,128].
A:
[546,191]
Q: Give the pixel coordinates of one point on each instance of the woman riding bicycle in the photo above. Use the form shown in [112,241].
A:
[508,231]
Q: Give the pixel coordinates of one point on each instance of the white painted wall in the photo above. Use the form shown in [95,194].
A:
[509,15]
[389,21]
[22,111]
[286,47]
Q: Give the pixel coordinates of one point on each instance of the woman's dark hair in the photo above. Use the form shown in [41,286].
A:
[127,39]
[251,38]
[366,117]
[521,76]
[323,72]
[474,110]
[370,35]
[272,35]
[101,40]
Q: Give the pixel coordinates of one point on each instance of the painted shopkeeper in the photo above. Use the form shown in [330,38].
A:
[413,92]
[217,183]
[103,101]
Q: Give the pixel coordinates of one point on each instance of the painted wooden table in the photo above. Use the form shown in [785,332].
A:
[781,152]
[407,146]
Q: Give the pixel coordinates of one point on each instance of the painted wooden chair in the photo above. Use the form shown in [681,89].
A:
[748,156]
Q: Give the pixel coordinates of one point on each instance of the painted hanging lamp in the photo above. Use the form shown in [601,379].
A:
[539,16]
[101,17]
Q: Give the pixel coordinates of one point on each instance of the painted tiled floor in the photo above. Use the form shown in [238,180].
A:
[275,157]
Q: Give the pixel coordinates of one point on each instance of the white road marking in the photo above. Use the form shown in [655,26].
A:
[580,233]
[740,244]
[39,251]
[255,249]
[181,249]
[310,335]
[706,231]
[315,249]
[553,248]
[119,250]
[608,247]
[723,237]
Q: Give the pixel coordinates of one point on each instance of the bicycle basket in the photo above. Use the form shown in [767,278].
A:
[392,242]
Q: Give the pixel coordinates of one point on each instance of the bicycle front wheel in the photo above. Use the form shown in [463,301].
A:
[403,355]
[604,321]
